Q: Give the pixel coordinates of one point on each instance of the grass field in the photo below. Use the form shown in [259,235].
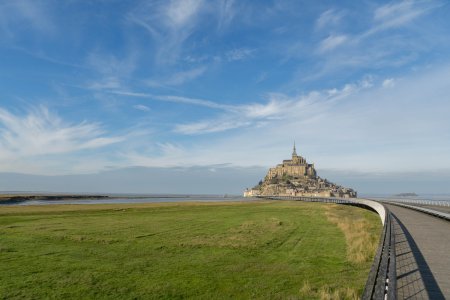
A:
[257,250]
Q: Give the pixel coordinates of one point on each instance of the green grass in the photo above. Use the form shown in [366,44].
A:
[254,250]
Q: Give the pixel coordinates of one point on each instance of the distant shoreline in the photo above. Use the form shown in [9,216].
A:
[21,198]
[12,199]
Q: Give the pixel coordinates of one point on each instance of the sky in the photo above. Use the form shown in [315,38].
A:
[220,90]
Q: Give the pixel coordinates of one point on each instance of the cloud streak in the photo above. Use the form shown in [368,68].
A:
[332,42]
[239,54]
[384,43]
[111,71]
[170,24]
[42,133]
[396,15]
[177,78]
[366,125]
[24,15]
[328,18]
[177,99]
[278,108]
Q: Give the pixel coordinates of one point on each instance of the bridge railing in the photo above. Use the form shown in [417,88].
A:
[433,212]
[414,201]
[382,280]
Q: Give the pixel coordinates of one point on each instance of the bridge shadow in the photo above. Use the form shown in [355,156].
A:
[414,277]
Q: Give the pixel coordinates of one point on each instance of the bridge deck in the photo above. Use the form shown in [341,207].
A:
[422,252]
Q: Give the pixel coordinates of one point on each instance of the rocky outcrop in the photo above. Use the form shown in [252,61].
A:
[295,177]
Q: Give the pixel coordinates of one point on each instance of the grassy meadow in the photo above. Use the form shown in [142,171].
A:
[234,250]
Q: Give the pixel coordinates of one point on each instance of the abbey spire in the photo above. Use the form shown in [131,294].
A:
[296,177]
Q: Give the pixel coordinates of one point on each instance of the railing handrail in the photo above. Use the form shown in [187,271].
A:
[444,203]
[429,211]
[382,280]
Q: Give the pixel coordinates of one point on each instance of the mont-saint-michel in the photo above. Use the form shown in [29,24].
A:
[129,131]
[296,177]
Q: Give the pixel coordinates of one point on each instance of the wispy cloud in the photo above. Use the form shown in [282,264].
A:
[227,12]
[40,132]
[239,54]
[111,71]
[178,78]
[177,99]
[364,124]
[25,15]
[328,18]
[332,42]
[170,24]
[211,126]
[278,108]
[377,45]
[399,14]
[277,105]
[181,12]
[388,82]
[235,116]
[141,107]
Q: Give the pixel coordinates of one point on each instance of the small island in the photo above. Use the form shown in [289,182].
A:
[295,177]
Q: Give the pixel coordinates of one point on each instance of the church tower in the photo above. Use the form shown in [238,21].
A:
[295,158]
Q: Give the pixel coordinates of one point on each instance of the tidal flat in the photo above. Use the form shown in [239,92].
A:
[229,250]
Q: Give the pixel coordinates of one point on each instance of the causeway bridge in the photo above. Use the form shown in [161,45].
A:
[413,257]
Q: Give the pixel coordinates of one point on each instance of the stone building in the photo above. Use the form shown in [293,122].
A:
[296,167]
[295,177]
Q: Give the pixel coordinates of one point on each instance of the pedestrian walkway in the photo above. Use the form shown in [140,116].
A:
[422,254]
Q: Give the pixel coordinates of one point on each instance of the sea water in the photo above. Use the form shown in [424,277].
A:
[116,199]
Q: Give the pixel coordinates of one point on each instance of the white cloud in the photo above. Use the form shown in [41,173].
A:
[170,24]
[385,43]
[210,126]
[181,12]
[399,14]
[193,101]
[239,54]
[178,78]
[105,83]
[141,107]
[389,82]
[262,77]
[279,107]
[227,12]
[41,133]
[111,71]
[361,126]
[25,15]
[178,99]
[329,17]
[332,42]
[271,109]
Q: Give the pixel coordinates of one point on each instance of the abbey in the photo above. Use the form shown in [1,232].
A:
[295,167]
[295,177]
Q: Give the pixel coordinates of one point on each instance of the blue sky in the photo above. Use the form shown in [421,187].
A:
[97,86]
